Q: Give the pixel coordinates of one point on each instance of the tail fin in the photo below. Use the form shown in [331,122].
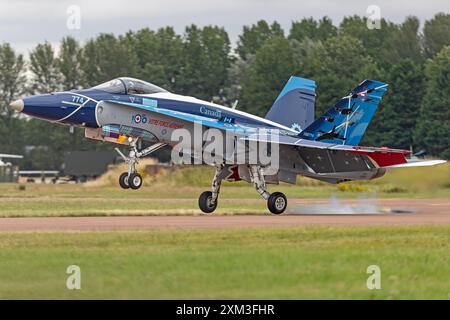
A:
[347,121]
[294,107]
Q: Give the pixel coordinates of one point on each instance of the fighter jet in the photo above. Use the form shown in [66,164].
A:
[133,112]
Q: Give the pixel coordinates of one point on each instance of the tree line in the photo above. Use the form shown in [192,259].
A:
[202,62]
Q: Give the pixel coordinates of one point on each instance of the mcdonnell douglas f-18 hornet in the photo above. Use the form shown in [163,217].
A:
[145,117]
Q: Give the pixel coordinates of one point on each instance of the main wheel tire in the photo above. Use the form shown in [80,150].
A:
[204,202]
[123,180]
[277,203]
[135,181]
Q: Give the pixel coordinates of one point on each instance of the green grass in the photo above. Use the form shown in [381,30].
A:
[291,263]
[177,193]
[403,182]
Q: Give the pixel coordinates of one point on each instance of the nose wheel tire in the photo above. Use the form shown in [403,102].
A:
[205,202]
[277,203]
[123,180]
[135,181]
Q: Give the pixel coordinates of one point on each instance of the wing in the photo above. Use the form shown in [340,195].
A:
[381,157]
[415,163]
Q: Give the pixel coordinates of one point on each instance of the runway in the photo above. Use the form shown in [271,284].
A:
[427,211]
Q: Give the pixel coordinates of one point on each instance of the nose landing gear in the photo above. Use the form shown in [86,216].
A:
[123,181]
[132,179]
[135,181]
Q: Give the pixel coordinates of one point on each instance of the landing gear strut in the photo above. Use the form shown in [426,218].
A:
[276,202]
[132,179]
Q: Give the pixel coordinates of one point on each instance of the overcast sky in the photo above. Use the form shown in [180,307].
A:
[23,23]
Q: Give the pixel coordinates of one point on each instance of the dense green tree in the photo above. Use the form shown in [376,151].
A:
[44,68]
[238,73]
[69,64]
[46,140]
[436,33]
[391,43]
[433,127]
[274,64]
[12,86]
[107,57]
[206,60]
[337,67]
[12,79]
[309,28]
[12,130]
[397,115]
[253,37]
[373,40]
[402,42]
[159,55]
[170,49]
[304,52]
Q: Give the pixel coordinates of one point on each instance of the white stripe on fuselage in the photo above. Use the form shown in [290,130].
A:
[178,97]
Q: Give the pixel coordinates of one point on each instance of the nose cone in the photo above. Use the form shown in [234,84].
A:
[17,105]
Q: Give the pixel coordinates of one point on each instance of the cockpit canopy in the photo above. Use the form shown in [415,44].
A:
[125,85]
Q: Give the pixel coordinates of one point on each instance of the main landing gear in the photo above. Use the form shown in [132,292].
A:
[276,202]
[207,201]
[132,179]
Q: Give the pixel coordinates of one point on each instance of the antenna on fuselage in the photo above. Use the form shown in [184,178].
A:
[235,103]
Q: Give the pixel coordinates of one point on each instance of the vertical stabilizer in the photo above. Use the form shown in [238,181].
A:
[347,121]
[295,104]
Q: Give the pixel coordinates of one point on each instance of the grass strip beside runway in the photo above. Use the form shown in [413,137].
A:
[293,263]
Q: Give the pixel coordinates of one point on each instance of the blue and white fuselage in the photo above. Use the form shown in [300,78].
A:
[78,107]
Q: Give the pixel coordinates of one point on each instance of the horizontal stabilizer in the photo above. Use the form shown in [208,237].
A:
[418,163]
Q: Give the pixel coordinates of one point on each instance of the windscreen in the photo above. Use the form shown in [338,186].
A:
[113,86]
[135,86]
